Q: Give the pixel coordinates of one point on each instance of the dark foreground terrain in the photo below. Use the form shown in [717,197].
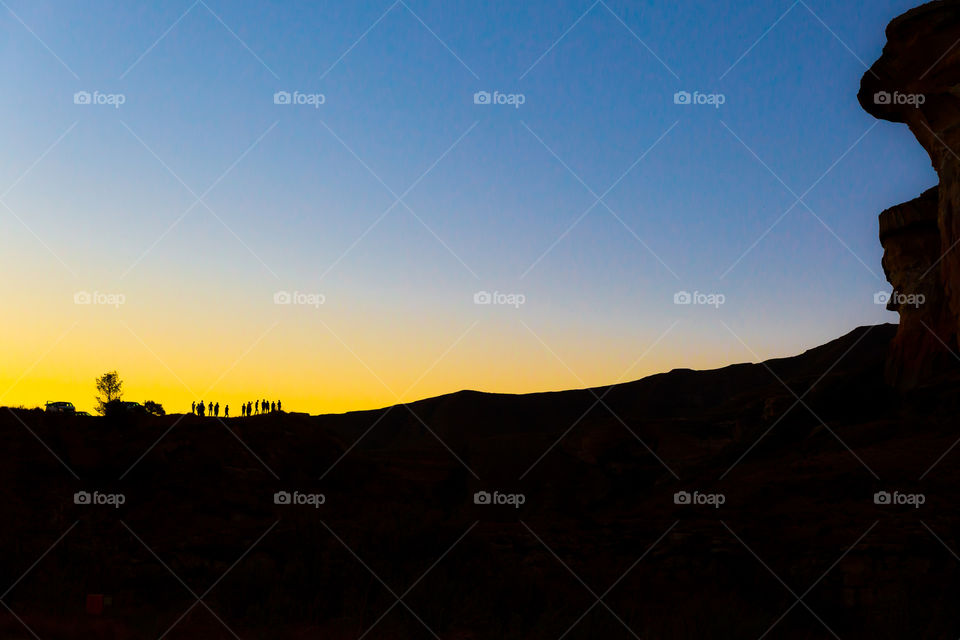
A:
[599,548]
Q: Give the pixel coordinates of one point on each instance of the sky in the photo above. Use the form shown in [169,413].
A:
[348,205]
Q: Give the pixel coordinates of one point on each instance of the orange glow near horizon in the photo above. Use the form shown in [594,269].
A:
[327,364]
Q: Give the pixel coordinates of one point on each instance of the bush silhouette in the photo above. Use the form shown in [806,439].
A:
[154,408]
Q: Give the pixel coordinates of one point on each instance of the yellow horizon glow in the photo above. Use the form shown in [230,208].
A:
[335,367]
[176,347]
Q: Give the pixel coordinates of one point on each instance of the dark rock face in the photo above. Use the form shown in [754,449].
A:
[916,81]
[911,241]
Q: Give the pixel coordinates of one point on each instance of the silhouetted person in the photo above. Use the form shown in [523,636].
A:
[249,409]
[193,407]
[279,406]
[216,410]
[256,407]
[200,408]
[226,411]
[273,407]
[210,409]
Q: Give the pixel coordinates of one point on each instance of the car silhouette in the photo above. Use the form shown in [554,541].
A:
[60,407]
[121,407]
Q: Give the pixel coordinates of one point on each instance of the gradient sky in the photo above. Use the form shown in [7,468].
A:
[297,198]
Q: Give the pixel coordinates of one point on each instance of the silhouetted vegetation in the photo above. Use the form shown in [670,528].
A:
[154,408]
[109,391]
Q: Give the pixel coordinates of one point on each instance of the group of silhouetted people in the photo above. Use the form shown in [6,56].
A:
[260,406]
[213,410]
[246,409]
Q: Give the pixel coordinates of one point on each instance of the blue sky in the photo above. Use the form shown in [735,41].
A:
[296,190]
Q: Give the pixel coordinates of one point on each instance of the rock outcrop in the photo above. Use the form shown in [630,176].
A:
[911,240]
[916,81]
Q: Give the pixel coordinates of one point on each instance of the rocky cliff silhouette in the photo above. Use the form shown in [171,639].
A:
[915,82]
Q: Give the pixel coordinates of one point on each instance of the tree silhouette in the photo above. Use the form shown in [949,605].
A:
[109,389]
[154,408]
